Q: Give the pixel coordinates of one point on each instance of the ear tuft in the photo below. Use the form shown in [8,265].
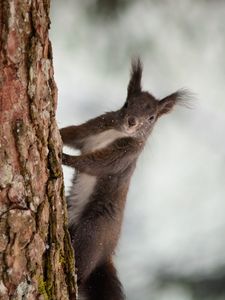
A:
[134,86]
[181,97]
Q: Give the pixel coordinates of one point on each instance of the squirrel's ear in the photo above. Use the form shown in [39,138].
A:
[166,104]
[134,86]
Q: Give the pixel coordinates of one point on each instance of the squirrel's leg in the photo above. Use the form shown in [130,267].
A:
[75,136]
[103,284]
[108,160]
[71,136]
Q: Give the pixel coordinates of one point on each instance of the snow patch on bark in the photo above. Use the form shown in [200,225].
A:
[6,175]
[12,13]
[24,289]
[3,289]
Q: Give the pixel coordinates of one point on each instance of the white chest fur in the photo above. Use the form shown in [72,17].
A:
[101,140]
[80,195]
[85,184]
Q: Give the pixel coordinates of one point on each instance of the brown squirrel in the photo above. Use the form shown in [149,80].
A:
[110,146]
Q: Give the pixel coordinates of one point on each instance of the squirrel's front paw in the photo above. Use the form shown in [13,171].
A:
[69,160]
[65,159]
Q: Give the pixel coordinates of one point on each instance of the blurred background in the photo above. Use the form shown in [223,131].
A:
[172,245]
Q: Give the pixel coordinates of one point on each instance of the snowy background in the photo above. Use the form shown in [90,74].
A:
[172,244]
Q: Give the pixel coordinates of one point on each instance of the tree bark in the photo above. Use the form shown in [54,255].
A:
[36,257]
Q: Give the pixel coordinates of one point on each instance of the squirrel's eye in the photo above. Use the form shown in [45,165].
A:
[152,118]
[131,121]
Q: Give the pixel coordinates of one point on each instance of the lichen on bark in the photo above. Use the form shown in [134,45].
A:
[36,258]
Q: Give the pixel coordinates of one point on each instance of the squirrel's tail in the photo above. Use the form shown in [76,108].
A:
[103,284]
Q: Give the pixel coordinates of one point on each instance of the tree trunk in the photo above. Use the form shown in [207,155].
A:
[36,258]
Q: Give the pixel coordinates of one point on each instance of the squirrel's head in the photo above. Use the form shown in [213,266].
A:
[141,109]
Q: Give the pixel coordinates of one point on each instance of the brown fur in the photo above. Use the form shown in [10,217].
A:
[95,236]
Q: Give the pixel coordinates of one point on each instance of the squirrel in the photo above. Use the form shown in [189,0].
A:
[109,145]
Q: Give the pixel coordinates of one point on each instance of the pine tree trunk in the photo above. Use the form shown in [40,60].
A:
[36,258]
